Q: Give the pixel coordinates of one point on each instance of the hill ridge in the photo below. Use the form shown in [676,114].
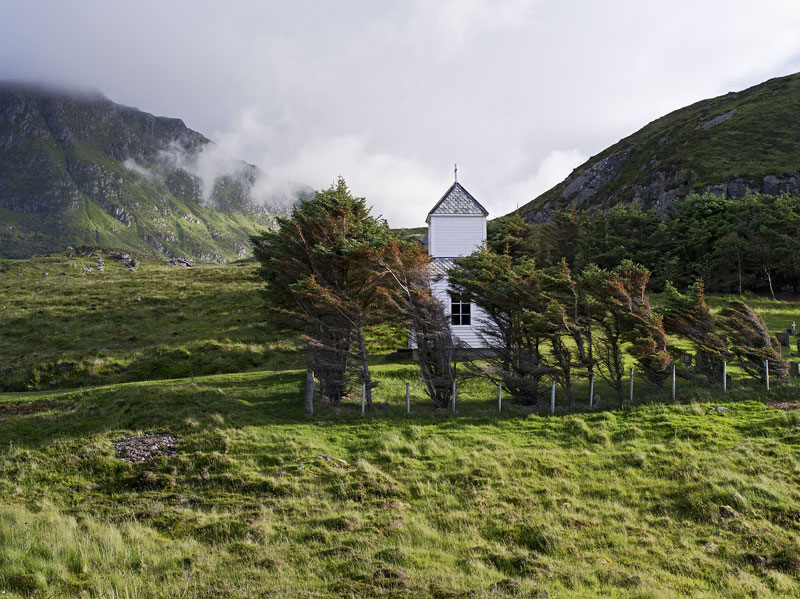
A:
[729,145]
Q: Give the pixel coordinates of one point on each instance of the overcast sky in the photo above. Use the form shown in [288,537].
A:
[391,93]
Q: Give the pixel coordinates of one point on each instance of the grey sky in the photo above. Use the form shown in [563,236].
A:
[390,94]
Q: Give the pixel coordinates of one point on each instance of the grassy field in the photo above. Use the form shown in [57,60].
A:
[64,327]
[645,501]
[650,499]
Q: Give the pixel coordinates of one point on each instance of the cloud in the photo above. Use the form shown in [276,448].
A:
[390,94]
[212,163]
[449,24]
[143,172]
[401,189]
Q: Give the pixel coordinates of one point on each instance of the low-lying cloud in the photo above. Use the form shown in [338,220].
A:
[209,165]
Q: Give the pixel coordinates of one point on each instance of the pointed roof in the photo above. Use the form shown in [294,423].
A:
[457,200]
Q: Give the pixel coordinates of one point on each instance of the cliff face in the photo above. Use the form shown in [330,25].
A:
[739,142]
[80,169]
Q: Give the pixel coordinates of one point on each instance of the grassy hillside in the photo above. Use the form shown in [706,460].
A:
[729,144]
[649,501]
[67,327]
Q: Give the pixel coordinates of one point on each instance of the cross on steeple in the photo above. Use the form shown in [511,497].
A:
[455,173]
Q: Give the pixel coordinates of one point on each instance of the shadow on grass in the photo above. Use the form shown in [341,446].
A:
[85,342]
[256,399]
[261,399]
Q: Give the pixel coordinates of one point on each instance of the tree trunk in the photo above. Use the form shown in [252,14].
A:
[769,280]
[739,263]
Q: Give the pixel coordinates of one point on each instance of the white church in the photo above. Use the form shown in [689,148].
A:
[457,227]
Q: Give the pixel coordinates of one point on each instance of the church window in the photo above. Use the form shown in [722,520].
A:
[460,310]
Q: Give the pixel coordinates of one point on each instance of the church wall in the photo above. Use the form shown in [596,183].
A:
[467,333]
[452,236]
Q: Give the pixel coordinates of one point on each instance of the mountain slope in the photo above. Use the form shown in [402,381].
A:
[79,169]
[728,145]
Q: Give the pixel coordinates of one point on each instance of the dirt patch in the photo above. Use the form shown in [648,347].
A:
[784,405]
[145,447]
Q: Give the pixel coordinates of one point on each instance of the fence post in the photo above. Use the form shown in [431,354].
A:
[453,401]
[766,368]
[363,396]
[309,392]
[553,397]
[500,396]
[408,399]
[591,391]
[724,376]
[673,381]
[631,384]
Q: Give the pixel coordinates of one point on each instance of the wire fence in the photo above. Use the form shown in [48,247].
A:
[478,395]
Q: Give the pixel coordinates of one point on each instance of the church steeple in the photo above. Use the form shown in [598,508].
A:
[456,224]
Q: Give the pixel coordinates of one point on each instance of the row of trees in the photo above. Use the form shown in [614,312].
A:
[546,323]
[332,269]
[732,244]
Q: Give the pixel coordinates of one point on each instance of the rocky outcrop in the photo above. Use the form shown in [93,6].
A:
[770,185]
[586,185]
[662,189]
[717,120]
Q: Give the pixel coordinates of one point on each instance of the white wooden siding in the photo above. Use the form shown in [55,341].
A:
[468,334]
[452,236]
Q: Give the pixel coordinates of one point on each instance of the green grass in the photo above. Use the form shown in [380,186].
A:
[70,329]
[650,499]
[647,501]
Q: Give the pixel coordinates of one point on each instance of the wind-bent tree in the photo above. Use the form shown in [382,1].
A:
[521,318]
[618,303]
[409,294]
[569,311]
[645,329]
[689,316]
[749,340]
[322,280]
[606,314]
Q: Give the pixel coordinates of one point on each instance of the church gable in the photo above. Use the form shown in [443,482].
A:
[456,224]
[457,200]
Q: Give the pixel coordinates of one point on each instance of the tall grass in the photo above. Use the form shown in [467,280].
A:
[649,500]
